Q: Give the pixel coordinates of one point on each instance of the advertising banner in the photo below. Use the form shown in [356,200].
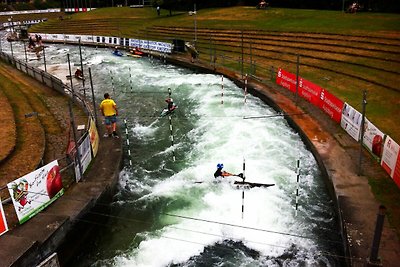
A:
[86,157]
[373,139]
[3,222]
[331,105]
[310,91]
[390,159]
[286,79]
[351,121]
[35,191]
[94,137]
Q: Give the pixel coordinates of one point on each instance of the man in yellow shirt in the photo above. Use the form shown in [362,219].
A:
[110,112]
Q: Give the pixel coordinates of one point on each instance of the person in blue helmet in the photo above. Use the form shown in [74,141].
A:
[220,173]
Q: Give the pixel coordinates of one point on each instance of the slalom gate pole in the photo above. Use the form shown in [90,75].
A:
[112,81]
[297,185]
[170,127]
[128,143]
[171,136]
[130,79]
[245,88]
[222,89]
[244,177]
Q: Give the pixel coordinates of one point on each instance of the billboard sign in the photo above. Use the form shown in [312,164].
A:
[373,139]
[35,191]
[286,79]
[3,222]
[309,91]
[85,155]
[331,105]
[391,160]
[94,137]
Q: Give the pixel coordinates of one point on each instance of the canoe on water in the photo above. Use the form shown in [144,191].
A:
[77,77]
[166,112]
[133,55]
[240,184]
[117,53]
[250,184]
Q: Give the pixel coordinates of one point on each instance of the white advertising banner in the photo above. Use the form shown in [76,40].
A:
[3,222]
[35,191]
[373,139]
[351,121]
[111,40]
[86,157]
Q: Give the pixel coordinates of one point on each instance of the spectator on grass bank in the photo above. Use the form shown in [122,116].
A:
[110,112]
[158,10]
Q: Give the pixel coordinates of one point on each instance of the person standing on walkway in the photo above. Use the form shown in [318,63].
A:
[110,112]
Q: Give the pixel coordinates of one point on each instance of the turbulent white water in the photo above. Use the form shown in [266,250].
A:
[168,212]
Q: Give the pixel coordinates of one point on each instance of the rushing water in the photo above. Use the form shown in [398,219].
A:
[173,213]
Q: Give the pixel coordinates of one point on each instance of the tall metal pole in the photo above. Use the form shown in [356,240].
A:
[71,114]
[93,99]
[364,104]
[297,76]
[195,25]
[70,75]
[44,58]
[26,56]
[12,52]
[83,76]
[242,58]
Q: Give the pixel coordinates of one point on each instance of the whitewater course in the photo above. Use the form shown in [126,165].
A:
[174,213]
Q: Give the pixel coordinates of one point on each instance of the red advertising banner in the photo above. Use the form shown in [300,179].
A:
[331,105]
[286,79]
[3,222]
[391,159]
[310,92]
[396,172]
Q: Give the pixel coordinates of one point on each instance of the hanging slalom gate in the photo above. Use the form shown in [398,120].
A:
[245,88]
[128,143]
[170,128]
[297,186]
[112,81]
[222,89]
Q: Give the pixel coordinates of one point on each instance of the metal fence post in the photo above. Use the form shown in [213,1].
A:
[373,259]
[364,104]
[71,114]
